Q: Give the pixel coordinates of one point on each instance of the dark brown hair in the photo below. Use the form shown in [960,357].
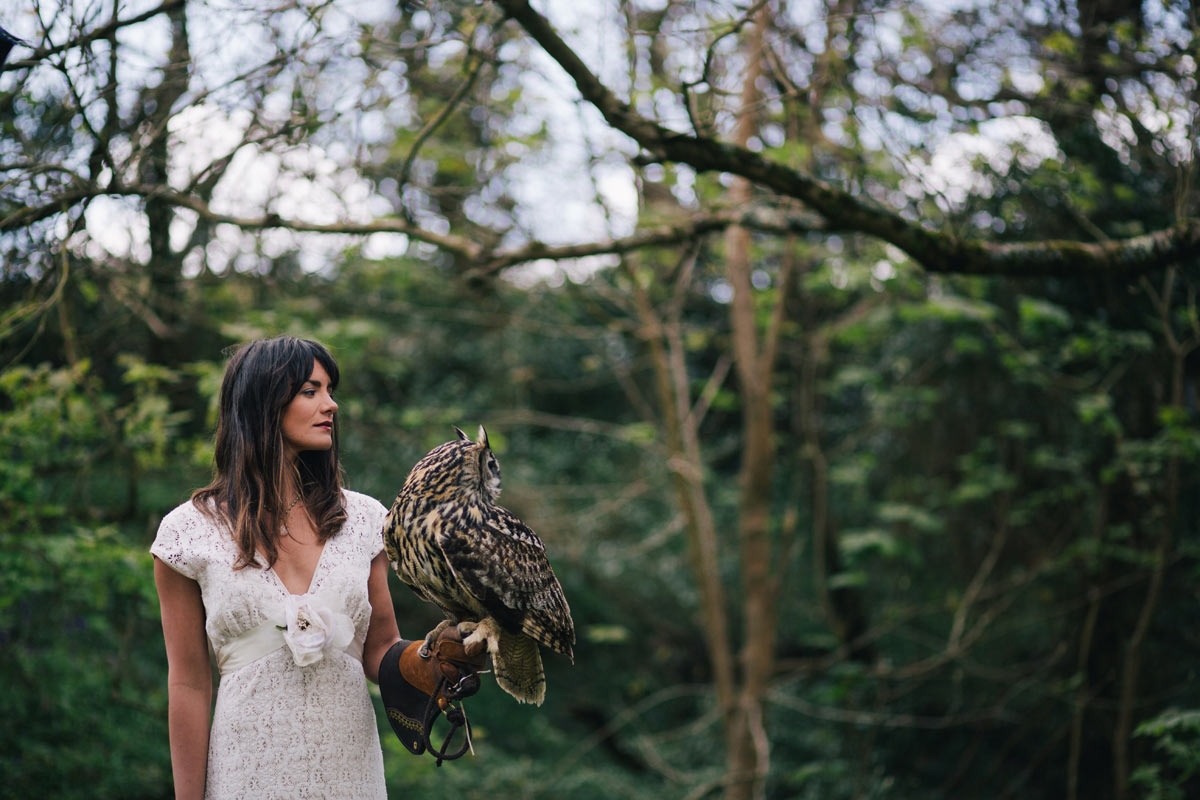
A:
[246,493]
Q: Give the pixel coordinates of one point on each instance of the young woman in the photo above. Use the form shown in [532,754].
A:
[280,571]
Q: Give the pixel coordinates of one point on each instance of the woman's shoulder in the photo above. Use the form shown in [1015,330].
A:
[364,521]
[363,503]
[184,537]
[186,515]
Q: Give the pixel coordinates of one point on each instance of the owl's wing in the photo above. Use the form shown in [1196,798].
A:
[503,564]
[396,545]
[391,534]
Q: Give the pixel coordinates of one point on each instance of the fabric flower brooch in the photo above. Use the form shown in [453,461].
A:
[312,629]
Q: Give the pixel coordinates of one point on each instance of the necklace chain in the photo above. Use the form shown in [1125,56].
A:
[288,531]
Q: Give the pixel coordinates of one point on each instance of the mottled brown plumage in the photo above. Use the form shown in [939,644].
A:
[454,547]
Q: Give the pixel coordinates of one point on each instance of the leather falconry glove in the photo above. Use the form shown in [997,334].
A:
[417,689]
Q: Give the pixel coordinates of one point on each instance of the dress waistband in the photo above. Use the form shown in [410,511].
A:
[258,642]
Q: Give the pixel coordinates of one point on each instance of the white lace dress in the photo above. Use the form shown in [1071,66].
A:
[280,730]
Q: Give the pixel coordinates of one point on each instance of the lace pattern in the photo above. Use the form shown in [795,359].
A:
[280,730]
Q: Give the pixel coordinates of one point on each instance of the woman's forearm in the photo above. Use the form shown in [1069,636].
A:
[187,723]
[373,653]
[381,632]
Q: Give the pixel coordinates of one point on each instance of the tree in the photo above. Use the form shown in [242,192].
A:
[830,146]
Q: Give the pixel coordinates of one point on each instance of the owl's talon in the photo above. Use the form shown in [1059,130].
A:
[484,632]
[426,649]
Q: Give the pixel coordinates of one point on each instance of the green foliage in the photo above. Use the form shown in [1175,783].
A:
[49,427]
[85,698]
[1002,456]
[1176,736]
[82,653]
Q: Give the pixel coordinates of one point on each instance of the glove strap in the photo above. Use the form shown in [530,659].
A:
[455,715]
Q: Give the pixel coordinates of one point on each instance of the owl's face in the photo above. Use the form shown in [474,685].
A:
[490,475]
[482,468]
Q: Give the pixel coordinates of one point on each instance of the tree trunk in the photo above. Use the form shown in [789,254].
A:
[164,266]
[686,465]
[748,745]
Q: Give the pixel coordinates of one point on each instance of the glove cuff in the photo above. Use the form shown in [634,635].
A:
[405,704]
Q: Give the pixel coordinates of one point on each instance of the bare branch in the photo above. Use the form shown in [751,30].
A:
[937,251]
[762,219]
[103,32]
[686,87]
[757,218]
[437,120]
[709,392]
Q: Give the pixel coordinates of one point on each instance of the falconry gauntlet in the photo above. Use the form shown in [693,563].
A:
[417,689]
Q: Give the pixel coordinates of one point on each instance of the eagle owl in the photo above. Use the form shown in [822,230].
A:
[454,547]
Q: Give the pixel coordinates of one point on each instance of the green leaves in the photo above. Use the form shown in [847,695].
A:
[917,518]
[48,427]
[79,630]
[1037,315]
[1176,735]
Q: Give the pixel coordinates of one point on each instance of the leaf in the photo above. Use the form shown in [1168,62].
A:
[871,540]
[907,514]
[848,580]
[1170,721]
[1035,312]
[606,634]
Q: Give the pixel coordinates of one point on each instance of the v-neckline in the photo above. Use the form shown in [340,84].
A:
[312,581]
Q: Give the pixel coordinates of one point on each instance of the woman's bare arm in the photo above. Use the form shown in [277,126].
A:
[382,632]
[189,679]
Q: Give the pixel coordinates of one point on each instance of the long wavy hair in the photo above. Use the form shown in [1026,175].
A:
[246,493]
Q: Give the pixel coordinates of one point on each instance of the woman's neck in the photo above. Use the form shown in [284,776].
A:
[290,486]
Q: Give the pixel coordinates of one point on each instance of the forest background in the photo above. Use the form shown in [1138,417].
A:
[843,352]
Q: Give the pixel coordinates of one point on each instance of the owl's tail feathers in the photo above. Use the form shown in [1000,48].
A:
[515,658]
[519,668]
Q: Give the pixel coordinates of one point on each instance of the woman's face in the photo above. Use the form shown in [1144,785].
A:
[308,417]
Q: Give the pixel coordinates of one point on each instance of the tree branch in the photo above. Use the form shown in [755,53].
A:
[103,32]
[758,218]
[433,124]
[938,252]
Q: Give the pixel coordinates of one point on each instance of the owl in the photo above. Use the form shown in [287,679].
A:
[454,547]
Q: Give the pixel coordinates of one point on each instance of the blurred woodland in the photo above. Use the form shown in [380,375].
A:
[843,352]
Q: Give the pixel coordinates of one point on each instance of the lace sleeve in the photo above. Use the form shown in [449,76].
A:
[171,545]
[367,516]
[378,517]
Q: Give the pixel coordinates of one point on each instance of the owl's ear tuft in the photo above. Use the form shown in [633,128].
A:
[462,435]
[483,440]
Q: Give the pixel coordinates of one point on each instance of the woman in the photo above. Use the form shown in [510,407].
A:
[280,570]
